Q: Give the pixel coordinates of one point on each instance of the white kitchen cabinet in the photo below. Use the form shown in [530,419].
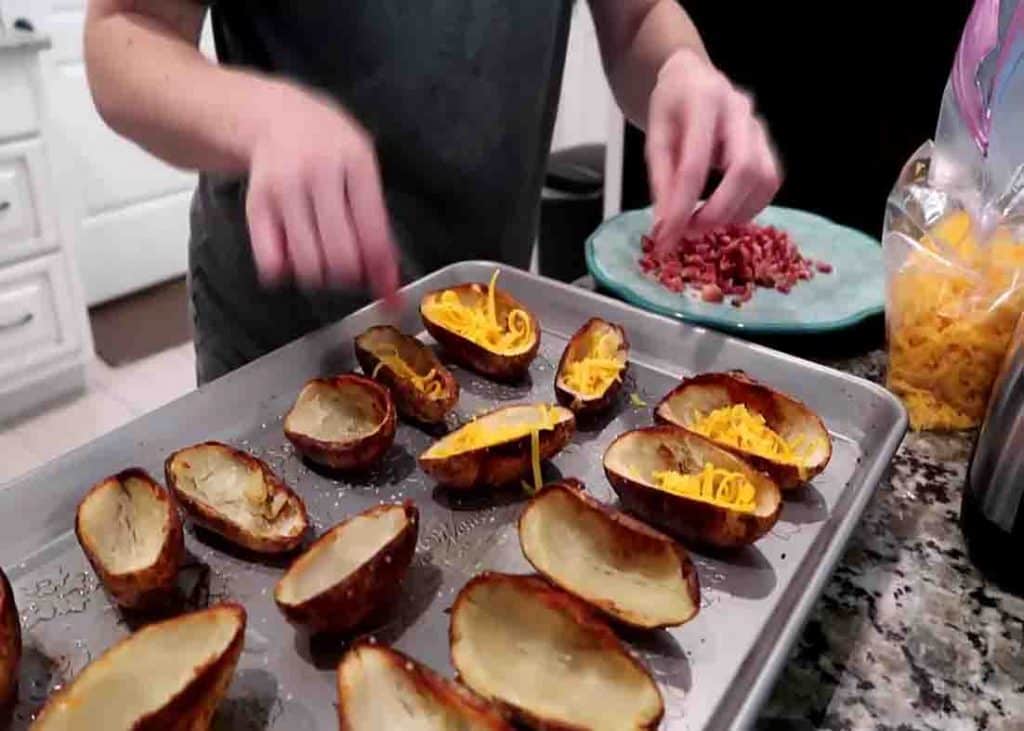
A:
[44,334]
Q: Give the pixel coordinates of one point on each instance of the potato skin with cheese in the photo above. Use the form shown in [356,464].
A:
[782,413]
[633,456]
[496,366]
[589,406]
[497,464]
[410,402]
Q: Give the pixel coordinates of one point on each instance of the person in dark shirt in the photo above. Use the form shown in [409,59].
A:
[346,145]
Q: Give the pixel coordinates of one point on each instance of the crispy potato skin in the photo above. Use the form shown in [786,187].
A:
[409,401]
[497,465]
[691,521]
[632,533]
[10,645]
[477,712]
[358,600]
[465,352]
[153,586]
[193,708]
[355,454]
[213,520]
[768,402]
[558,600]
[588,408]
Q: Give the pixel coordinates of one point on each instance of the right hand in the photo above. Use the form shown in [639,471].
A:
[315,207]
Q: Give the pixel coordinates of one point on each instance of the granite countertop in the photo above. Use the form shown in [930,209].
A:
[907,634]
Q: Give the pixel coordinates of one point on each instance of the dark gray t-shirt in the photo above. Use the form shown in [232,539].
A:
[459,96]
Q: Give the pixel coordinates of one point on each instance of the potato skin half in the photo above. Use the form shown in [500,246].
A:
[409,401]
[354,454]
[213,520]
[496,366]
[588,408]
[354,602]
[772,404]
[151,587]
[10,645]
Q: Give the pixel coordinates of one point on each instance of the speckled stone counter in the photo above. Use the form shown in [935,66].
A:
[907,633]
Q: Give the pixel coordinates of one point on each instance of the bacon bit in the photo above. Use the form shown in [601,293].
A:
[730,262]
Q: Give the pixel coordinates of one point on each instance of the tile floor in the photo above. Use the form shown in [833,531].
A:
[113,396]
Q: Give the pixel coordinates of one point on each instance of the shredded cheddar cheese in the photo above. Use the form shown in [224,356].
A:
[952,309]
[481,324]
[712,485]
[597,370]
[737,426]
[428,384]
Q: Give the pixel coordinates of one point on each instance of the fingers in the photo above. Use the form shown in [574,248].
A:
[660,155]
[740,161]
[266,234]
[301,237]
[339,246]
[696,133]
[370,221]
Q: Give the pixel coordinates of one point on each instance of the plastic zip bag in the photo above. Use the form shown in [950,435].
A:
[954,229]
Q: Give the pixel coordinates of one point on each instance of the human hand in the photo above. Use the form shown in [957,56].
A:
[697,121]
[315,208]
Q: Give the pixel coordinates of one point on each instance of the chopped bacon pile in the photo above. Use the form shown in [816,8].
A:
[731,261]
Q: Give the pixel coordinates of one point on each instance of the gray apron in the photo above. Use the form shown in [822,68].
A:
[459,96]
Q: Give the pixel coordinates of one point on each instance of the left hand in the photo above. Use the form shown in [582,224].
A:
[697,120]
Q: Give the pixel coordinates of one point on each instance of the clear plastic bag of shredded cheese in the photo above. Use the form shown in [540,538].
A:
[954,232]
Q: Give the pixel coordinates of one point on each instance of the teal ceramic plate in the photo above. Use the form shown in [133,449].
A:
[852,292]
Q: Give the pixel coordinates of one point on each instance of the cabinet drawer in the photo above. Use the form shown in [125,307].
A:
[20,115]
[36,321]
[27,225]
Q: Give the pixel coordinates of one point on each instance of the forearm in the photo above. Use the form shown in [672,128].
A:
[151,84]
[637,37]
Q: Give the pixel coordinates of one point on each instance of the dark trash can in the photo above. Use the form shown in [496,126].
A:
[572,203]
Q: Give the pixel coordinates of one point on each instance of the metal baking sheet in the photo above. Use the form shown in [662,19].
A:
[714,672]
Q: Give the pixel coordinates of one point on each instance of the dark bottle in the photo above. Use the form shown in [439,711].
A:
[992,513]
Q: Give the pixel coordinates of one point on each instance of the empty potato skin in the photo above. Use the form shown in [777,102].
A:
[591,406]
[354,454]
[497,465]
[475,712]
[632,532]
[693,521]
[10,644]
[193,708]
[374,586]
[496,366]
[210,518]
[153,586]
[409,401]
[580,612]
[776,408]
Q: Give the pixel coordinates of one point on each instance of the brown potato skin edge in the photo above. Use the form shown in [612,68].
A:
[624,524]
[590,407]
[153,586]
[365,592]
[193,708]
[744,389]
[409,402]
[486,362]
[580,612]
[10,645]
[209,518]
[497,465]
[355,454]
[481,713]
